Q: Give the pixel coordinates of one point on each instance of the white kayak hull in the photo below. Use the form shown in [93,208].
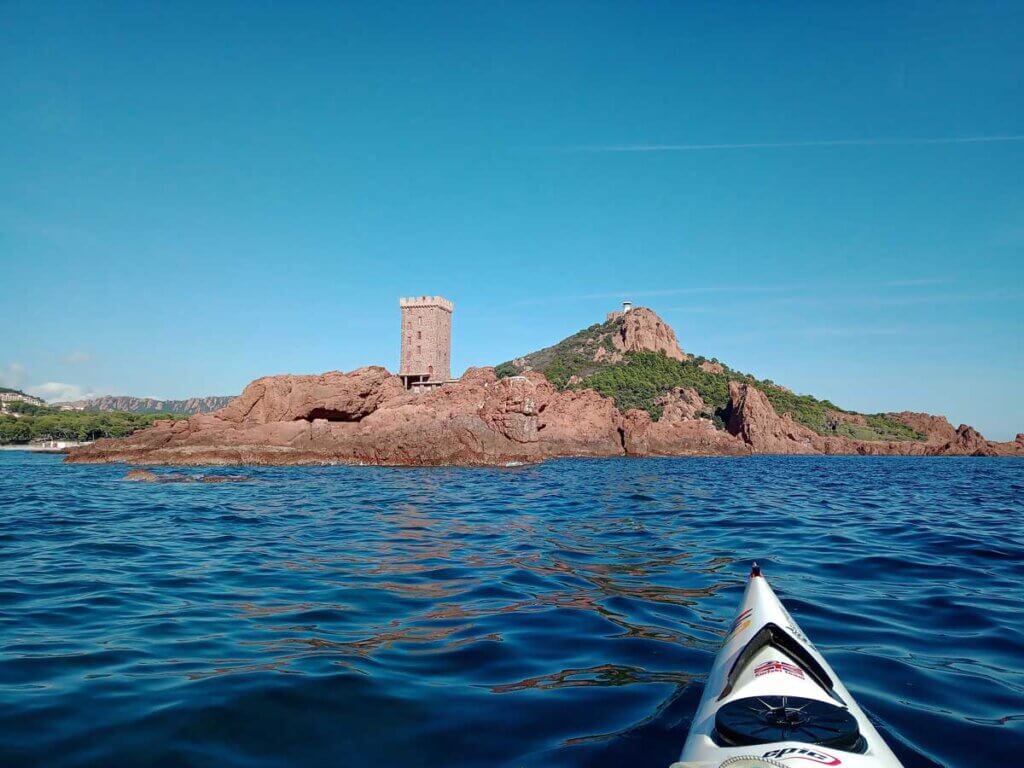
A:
[769,682]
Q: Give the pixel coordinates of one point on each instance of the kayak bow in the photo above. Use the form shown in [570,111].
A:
[771,698]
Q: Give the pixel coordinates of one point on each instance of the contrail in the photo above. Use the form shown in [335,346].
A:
[790,144]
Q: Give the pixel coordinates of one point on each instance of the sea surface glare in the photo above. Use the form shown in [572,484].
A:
[557,615]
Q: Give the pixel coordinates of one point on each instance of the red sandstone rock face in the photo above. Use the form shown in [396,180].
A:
[936,429]
[754,420]
[368,417]
[335,396]
[642,330]
[682,403]
[678,437]
[839,417]
[969,442]
[710,367]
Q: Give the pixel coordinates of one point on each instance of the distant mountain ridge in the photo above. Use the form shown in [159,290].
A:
[126,403]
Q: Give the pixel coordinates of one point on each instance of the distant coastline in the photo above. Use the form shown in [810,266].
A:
[48,446]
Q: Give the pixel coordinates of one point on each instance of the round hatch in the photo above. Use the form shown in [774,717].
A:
[768,719]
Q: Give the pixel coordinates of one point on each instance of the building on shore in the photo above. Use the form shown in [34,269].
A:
[20,397]
[426,342]
[14,396]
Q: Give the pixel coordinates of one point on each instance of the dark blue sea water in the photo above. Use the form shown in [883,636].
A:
[558,615]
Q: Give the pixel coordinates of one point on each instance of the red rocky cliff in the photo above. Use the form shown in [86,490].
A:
[642,330]
[367,417]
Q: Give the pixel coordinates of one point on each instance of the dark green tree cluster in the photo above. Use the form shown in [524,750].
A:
[42,423]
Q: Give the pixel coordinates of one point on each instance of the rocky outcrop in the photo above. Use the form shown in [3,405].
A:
[969,442]
[753,419]
[677,435]
[835,418]
[682,403]
[331,396]
[936,429]
[641,330]
[709,367]
[367,417]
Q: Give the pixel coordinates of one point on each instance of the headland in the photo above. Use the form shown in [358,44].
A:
[623,387]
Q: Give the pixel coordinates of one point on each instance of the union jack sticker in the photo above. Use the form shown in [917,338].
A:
[769,667]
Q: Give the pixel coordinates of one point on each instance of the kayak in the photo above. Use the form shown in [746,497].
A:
[772,700]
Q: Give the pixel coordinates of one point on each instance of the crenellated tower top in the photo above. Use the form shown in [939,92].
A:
[427,301]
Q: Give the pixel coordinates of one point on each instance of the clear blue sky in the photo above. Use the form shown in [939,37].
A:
[830,195]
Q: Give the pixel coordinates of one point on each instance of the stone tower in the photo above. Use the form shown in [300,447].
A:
[426,340]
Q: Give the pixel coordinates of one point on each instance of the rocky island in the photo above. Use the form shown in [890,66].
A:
[619,388]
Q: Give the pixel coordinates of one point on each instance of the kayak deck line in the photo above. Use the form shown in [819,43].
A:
[772,698]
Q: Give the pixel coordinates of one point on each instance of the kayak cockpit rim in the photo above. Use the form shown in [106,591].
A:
[772,634]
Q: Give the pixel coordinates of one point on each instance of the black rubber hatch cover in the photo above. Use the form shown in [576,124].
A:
[767,719]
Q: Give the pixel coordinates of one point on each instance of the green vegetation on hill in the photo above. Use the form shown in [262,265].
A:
[36,422]
[573,356]
[643,377]
[639,379]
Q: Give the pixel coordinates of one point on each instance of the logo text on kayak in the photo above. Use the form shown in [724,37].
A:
[742,622]
[800,753]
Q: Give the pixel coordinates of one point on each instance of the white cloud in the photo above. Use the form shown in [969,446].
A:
[854,331]
[814,290]
[55,391]
[790,144]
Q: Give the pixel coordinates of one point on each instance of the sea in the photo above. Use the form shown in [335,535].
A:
[563,614]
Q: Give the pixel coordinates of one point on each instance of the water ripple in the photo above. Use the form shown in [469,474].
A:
[558,615]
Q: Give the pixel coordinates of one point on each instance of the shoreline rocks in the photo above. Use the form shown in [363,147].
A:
[367,417]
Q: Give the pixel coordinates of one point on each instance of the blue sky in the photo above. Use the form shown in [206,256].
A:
[830,195]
